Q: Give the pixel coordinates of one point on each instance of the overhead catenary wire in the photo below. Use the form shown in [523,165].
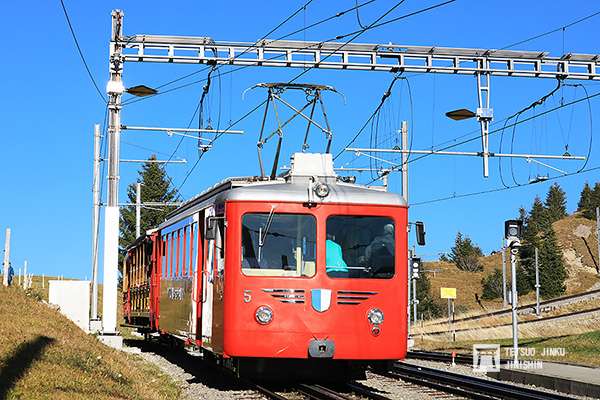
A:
[507,47]
[501,188]
[207,87]
[231,125]
[385,95]
[200,103]
[516,115]
[85,64]
[358,15]
[312,45]
[355,36]
[233,70]
[286,20]
[561,28]
[478,137]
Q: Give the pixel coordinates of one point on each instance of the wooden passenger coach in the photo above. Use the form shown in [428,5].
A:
[303,268]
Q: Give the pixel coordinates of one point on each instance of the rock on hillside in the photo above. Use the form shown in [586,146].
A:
[577,239]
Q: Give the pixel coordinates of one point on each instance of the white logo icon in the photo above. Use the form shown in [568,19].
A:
[486,358]
[321,299]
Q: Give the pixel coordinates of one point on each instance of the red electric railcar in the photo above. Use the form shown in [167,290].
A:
[301,270]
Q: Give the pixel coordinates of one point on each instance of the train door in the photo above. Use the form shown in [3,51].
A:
[219,283]
[195,249]
[196,327]
[207,281]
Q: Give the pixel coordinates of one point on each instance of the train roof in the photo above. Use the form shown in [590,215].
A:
[296,185]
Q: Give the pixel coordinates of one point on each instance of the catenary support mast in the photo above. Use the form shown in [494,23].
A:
[115,90]
[95,221]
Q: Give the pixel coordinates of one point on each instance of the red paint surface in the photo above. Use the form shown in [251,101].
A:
[295,325]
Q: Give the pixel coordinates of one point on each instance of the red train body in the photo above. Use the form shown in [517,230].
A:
[303,268]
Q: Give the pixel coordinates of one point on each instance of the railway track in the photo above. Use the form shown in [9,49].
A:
[529,308]
[574,314]
[439,356]
[353,391]
[468,386]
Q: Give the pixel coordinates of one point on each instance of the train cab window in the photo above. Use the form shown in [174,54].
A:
[360,247]
[276,244]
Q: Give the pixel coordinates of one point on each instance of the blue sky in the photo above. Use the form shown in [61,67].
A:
[49,107]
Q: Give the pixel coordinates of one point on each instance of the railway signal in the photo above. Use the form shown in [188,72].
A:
[513,232]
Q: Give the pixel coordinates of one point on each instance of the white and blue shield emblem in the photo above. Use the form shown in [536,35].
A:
[320,299]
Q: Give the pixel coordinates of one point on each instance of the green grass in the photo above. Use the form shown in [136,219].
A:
[43,355]
[582,349]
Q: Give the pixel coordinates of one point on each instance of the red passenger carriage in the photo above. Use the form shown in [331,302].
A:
[300,270]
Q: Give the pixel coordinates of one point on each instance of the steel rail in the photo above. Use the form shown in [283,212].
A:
[318,392]
[439,356]
[468,385]
[267,392]
[365,392]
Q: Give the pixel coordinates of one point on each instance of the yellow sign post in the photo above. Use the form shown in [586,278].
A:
[450,294]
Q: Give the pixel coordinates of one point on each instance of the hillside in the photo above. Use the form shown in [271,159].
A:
[43,355]
[579,256]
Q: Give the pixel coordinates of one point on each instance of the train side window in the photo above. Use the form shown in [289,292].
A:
[163,255]
[184,250]
[360,247]
[172,252]
[276,244]
[192,248]
[165,266]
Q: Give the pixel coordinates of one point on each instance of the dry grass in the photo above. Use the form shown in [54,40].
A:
[43,355]
[479,330]
[442,323]
[579,260]
[583,349]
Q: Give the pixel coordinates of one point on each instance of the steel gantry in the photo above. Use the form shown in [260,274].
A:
[481,63]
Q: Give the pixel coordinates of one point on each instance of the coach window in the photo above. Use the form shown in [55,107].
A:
[360,247]
[278,244]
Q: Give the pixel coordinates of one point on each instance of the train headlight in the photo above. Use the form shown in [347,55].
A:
[375,316]
[264,315]
[321,189]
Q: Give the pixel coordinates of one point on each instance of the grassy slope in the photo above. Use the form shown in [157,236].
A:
[581,272]
[45,356]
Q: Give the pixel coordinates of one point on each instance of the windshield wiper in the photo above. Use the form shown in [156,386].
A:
[262,234]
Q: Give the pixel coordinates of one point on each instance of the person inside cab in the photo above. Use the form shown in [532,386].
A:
[380,252]
[335,265]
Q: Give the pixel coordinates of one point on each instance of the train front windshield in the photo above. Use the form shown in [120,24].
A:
[277,244]
[360,247]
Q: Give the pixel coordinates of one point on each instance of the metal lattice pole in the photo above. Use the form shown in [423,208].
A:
[504,294]
[138,209]
[404,133]
[115,90]
[514,301]
[95,221]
